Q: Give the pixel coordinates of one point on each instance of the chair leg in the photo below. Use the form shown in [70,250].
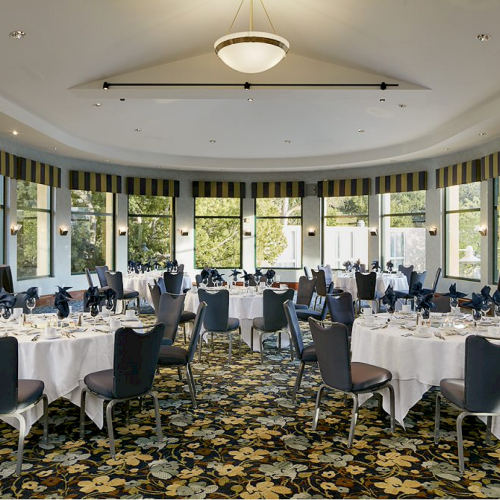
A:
[316,409]
[251,339]
[279,341]
[239,341]
[437,418]
[179,373]
[190,386]
[109,422]
[489,421]
[460,442]
[20,443]
[298,381]
[127,413]
[261,342]
[82,413]
[199,347]
[189,371]
[354,417]
[157,417]
[291,344]
[45,419]
[392,403]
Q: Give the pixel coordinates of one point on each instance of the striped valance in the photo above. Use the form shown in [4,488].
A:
[461,173]
[295,189]
[152,187]
[401,183]
[348,187]
[212,189]
[40,173]
[8,164]
[490,166]
[98,183]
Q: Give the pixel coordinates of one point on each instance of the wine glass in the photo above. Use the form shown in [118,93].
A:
[94,311]
[30,304]
[454,306]
[496,313]
[247,284]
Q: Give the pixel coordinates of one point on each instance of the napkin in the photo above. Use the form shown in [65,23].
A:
[485,294]
[425,302]
[109,298]
[257,275]
[477,302]
[247,277]
[61,301]
[389,265]
[92,297]
[270,274]
[357,266]
[234,274]
[496,298]
[205,274]
[375,265]
[7,301]
[347,265]
[31,293]
[389,299]
[453,294]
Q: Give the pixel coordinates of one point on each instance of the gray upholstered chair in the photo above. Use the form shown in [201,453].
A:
[307,273]
[132,375]
[305,314]
[321,287]
[306,355]
[478,393]
[169,313]
[442,304]
[173,356]
[341,309]
[161,284]
[274,319]
[217,318]
[6,278]
[18,396]
[338,373]
[406,271]
[415,279]
[173,282]
[305,292]
[366,285]
[432,290]
[101,275]
[115,282]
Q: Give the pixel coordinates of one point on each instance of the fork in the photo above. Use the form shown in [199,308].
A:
[35,338]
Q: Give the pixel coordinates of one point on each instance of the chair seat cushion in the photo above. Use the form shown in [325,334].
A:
[258,323]
[187,316]
[454,391]
[305,314]
[232,324]
[130,294]
[309,354]
[366,376]
[301,306]
[28,392]
[100,383]
[172,356]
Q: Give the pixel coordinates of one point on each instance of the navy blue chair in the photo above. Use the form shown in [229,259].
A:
[169,313]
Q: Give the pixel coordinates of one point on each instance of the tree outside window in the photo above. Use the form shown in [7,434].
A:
[278,232]
[34,215]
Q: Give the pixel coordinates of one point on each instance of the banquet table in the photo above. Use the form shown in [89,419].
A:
[347,282]
[416,363]
[63,362]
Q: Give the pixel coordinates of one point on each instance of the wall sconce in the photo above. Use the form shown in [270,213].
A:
[483,231]
[184,232]
[433,231]
[15,228]
[122,231]
[63,231]
[373,231]
[311,232]
[247,232]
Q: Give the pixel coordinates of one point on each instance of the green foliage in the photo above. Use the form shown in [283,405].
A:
[338,210]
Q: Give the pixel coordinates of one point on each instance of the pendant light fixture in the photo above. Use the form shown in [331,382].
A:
[251,51]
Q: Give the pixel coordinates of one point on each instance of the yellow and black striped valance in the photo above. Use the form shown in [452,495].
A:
[40,173]
[152,187]
[212,189]
[98,183]
[461,173]
[490,166]
[8,164]
[295,189]
[348,187]
[401,183]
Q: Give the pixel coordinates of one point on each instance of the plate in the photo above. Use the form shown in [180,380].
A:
[131,323]
[422,335]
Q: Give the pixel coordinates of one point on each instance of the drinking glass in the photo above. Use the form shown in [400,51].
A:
[454,306]
[94,311]
[30,304]
[496,313]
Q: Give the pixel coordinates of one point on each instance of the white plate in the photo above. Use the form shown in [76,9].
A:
[422,335]
[131,323]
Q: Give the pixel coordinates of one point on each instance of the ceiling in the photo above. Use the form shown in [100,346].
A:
[448,93]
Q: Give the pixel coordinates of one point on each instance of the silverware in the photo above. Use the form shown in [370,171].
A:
[439,335]
[35,338]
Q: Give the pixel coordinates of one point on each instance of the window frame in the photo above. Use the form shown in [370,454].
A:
[256,218]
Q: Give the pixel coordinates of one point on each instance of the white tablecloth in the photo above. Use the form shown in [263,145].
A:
[348,284]
[416,364]
[141,281]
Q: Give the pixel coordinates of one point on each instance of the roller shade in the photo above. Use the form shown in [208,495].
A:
[461,173]
[40,173]
[98,183]
[348,187]
[152,187]
[401,183]
[203,189]
[295,189]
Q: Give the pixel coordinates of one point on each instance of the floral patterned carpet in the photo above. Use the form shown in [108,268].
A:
[248,440]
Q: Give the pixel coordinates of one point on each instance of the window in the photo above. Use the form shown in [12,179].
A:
[496,222]
[217,232]
[403,229]
[2,218]
[92,230]
[463,243]
[278,232]
[345,230]
[150,227]
[34,215]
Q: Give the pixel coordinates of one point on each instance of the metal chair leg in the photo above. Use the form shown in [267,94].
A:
[298,381]
[489,421]
[460,442]
[127,413]
[109,422]
[199,347]
[20,442]
[45,419]
[179,373]
[437,418]
[189,371]
[291,344]
[82,413]
[392,403]
[230,335]
[316,408]
[279,341]
[354,417]
[251,339]
[261,348]
[190,387]
[157,416]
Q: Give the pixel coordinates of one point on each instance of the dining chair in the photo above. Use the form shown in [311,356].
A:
[328,273]
[341,308]
[169,313]
[477,394]
[101,275]
[115,282]
[432,290]
[306,354]
[406,271]
[366,285]
[173,282]
[217,318]
[415,279]
[441,304]
[134,366]
[321,288]
[173,356]
[305,292]
[307,273]
[180,269]
[273,319]
[199,281]
[340,374]
[6,278]
[161,284]
[18,396]
[305,314]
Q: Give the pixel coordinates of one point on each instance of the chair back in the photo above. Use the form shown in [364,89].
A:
[199,281]
[341,309]
[135,359]
[217,309]
[89,277]
[101,274]
[362,268]
[417,278]
[308,275]
[328,273]
[406,271]
[173,282]
[9,360]
[366,284]
[6,278]
[169,313]
[274,314]
[114,281]
[332,350]
[195,333]
[442,304]
[155,292]
[436,280]
[482,373]
[180,269]
[321,289]
[293,326]
[305,290]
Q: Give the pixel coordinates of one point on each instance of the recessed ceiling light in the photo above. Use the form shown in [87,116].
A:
[55,148]
[107,159]
[97,104]
[361,131]
[138,130]
[17,34]
[403,105]
[212,141]
[482,133]
[288,141]
[15,132]
[483,37]
[446,149]
[250,99]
